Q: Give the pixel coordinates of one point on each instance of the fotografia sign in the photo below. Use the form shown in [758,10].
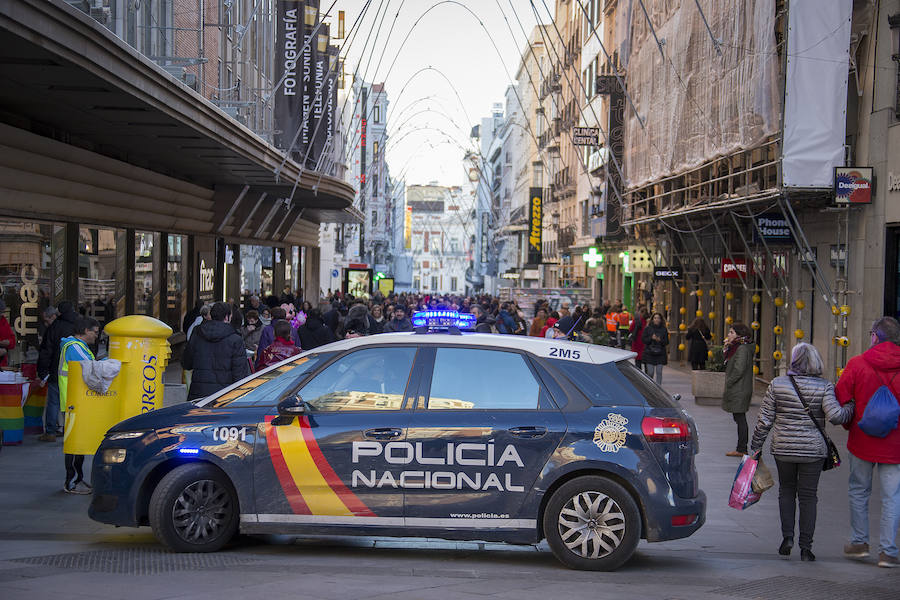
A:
[853,185]
[586,136]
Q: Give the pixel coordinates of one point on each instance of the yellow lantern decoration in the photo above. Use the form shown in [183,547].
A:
[757,349]
[835,310]
[682,327]
[839,371]
[779,301]
[709,354]
[682,310]
[777,355]
[754,325]
[755,370]
[778,329]
[729,295]
[712,335]
[799,333]
[668,307]
[845,311]
[699,293]
[683,290]
[843,341]
[800,304]
[712,293]
[681,347]
[755,299]
[711,315]
[699,313]
[729,320]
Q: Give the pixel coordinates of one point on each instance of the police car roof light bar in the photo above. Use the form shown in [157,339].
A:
[449,321]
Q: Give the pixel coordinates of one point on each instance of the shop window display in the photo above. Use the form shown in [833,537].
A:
[97,273]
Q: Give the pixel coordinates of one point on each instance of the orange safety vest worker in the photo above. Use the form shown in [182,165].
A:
[611,321]
[624,319]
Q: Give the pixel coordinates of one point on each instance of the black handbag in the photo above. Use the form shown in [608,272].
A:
[833,459]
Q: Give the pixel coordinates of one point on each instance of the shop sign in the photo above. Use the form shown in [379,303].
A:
[735,269]
[530,274]
[26,323]
[536,220]
[206,276]
[666,273]
[586,136]
[893,182]
[509,275]
[772,229]
[853,185]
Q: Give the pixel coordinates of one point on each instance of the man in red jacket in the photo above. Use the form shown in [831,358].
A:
[863,375]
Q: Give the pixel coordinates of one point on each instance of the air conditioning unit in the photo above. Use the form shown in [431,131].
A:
[176,71]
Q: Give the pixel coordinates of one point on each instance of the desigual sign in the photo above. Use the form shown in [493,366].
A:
[853,185]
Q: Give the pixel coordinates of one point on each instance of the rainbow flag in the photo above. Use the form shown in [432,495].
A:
[12,420]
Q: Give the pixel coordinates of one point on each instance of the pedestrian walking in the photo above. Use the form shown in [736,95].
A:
[697,336]
[313,333]
[399,322]
[282,348]
[636,333]
[252,330]
[538,323]
[861,379]
[48,365]
[794,410]
[378,321]
[76,347]
[738,351]
[215,354]
[656,342]
[7,337]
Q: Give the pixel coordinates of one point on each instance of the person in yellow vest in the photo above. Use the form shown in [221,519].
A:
[75,348]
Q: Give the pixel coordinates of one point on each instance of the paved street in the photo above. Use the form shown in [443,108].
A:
[50,549]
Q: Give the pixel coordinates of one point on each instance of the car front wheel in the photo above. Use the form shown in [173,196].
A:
[194,509]
[592,523]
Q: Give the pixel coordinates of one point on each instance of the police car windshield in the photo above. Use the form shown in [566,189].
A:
[269,387]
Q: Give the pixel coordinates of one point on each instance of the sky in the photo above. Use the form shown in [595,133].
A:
[430,118]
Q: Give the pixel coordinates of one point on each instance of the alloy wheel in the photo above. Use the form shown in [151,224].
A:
[201,511]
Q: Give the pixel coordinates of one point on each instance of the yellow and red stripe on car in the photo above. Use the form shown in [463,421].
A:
[310,484]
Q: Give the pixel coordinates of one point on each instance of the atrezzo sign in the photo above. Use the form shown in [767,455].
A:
[536,222]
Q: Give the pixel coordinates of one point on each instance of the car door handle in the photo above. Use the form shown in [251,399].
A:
[528,432]
[385,433]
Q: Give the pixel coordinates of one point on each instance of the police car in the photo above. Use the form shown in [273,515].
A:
[457,436]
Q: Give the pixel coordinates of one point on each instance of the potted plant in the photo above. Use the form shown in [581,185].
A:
[708,386]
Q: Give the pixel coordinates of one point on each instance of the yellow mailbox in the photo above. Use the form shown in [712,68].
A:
[141,344]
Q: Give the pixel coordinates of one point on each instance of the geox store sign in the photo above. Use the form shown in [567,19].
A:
[536,222]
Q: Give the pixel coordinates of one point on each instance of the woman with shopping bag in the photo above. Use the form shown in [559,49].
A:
[794,410]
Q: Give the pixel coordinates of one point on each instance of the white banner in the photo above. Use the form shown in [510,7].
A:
[815,99]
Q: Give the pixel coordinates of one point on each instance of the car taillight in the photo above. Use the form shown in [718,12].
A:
[682,520]
[665,429]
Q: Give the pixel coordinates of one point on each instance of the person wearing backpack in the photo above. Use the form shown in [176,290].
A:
[861,381]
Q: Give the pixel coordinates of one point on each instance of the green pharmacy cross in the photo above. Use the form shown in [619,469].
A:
[592,257]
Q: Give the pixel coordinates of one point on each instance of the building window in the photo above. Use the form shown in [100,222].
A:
[416,284]
[537,175]
[374,219]
[375,150]
[376,114]
[453,284]
[375,186]
[434,282]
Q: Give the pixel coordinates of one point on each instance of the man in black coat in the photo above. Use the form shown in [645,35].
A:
[215,353]
[314,333]
[48,365]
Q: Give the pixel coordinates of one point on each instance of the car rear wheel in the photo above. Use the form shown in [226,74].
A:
[592,523]
[194,509]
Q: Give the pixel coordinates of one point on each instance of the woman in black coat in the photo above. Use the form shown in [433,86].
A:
[697,336]
[656,340]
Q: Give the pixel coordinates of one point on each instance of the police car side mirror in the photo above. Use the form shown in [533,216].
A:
[293,406]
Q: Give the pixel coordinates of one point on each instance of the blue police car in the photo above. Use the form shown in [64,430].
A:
[465,437]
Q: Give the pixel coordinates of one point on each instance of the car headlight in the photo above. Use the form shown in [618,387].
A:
[126,435]
[114,455]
